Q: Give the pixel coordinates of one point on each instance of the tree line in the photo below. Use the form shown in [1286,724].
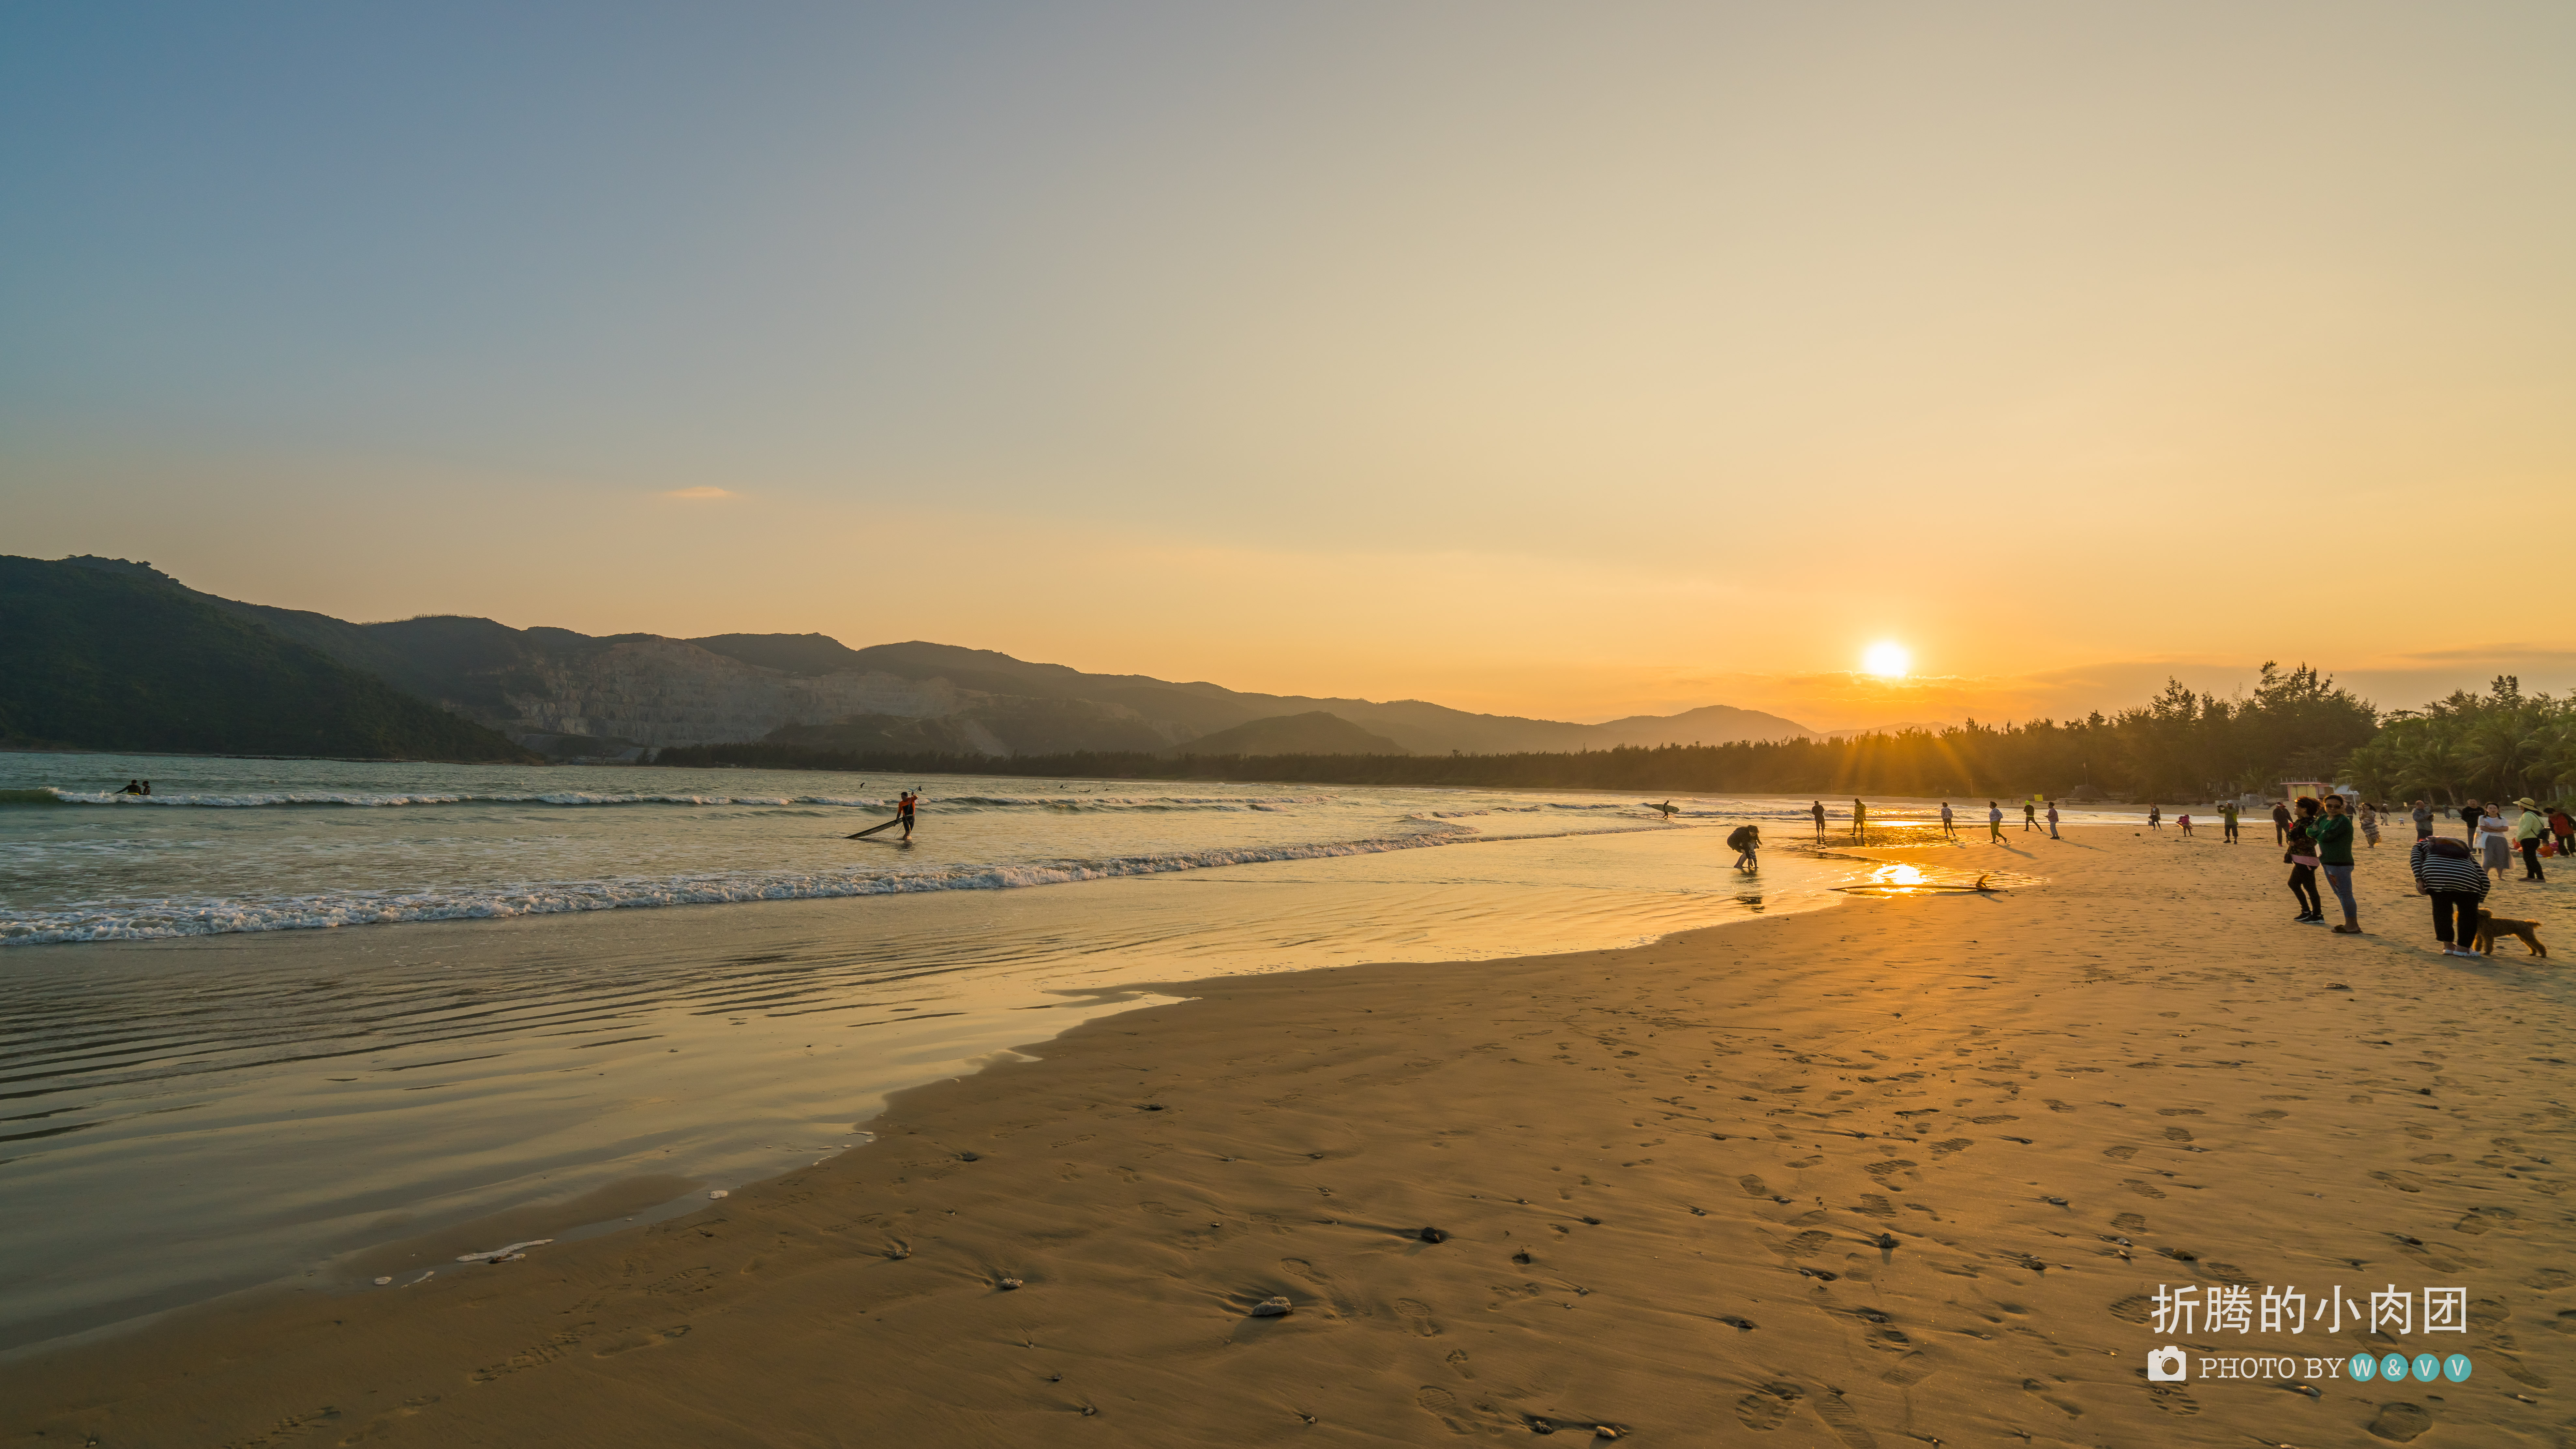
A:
[2179,746]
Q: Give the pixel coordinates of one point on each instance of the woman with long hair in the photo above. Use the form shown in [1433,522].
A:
[2301,857]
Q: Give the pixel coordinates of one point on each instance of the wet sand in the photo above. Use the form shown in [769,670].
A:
[1662,1176]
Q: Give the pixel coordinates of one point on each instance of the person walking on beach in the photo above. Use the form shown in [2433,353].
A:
[1747,839]
[2495,843]
[1860,818]
[2052,821]
[1818,810]
[2333,837]
[2280,822]
[2469,815]
[2155,816]
[2227,823]
[2422,815]
[2528,831]
[2444,870]
[903,809]
[1948,831]
[2300,855]
[2564,827]
[2370,824]
[1995,822]
[2029,816]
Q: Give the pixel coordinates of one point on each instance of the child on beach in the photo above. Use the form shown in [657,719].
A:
[2184,820]
[2301,857]
[1995,821]
[2370,825]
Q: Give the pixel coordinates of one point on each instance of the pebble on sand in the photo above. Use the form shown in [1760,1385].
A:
[383,1281]
[717,1192]
[1432,1235]
[1271,1308]
[1007,1284]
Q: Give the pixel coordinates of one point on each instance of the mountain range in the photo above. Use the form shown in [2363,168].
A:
[559,694]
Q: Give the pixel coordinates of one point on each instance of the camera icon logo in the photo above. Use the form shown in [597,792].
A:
[2165,1365]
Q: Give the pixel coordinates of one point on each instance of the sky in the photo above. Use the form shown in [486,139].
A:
[1552,360]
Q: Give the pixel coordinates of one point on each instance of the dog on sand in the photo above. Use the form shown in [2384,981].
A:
[2491,927]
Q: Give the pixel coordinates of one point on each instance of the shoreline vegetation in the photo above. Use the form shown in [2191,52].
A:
[2181,746]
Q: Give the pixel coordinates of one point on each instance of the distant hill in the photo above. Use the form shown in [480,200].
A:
[103,655]
[566,695]
[1315,732]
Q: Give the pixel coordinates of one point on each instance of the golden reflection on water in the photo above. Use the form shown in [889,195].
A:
[1898,879]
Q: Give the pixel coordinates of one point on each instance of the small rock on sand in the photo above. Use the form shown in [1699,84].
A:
[717,1192]
[1432,1235]
[1271,1308]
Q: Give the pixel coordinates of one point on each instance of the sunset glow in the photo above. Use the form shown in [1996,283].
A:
[1888,660]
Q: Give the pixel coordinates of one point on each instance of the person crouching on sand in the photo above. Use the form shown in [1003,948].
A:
[1747,839]
[2184,821]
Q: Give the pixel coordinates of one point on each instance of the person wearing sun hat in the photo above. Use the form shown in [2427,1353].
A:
[2528,831]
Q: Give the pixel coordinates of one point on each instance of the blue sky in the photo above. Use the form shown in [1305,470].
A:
[1490,352]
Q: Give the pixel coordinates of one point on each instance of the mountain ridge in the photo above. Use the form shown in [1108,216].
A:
[621,696]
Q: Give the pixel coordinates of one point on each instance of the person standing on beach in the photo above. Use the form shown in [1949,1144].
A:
[2370,825]
[2227,823]
[2300,854]
[1818,810]
[2280,822]
[2422,815]
[2495,842]
[2155,816]
[2052,821]
[2445,870]
[2528,831]
[2333,837]
[1860,818]
[1995,822]
[2469,814]
[1948,830]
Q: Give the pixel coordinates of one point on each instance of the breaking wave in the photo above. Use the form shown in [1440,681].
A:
[373,800]
[150,920]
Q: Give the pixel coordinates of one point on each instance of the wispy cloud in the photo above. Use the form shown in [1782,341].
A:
[699,492]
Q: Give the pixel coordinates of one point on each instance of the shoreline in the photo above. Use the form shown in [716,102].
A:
[1642,1203]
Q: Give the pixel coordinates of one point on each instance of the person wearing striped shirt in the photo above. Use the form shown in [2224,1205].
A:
[2446,870]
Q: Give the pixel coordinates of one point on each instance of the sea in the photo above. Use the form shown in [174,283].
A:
[280,1023]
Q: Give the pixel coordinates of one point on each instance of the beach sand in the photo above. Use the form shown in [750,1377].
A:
[1663,1175]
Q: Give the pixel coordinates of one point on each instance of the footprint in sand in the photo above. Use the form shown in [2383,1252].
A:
[2133,1309]
[1844,1420]
[2402,1181]
[2119,1154]
[2142,1189]
[2171,1399]
[1955,1144]
[633,1341]
[1910,1370]
[1875,1206]
[2130,1223]
[1808,1244]
[1417,1316]
[1457,1418]
[1767,1407]
[1753,1186]
[2177,1134]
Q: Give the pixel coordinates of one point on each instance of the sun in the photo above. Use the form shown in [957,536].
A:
[1887,659]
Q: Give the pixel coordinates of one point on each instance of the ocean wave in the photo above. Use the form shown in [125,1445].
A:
[154,920]
[374,800]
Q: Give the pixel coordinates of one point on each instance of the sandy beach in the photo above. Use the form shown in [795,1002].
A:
[1908,1170]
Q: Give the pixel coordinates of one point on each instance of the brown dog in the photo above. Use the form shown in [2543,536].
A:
[2492,926]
